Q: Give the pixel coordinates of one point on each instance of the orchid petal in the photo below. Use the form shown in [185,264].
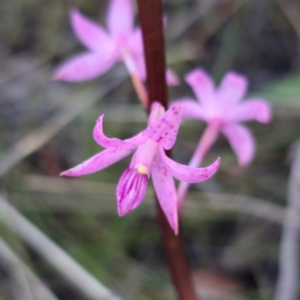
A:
[242,142]
[120,17]
[172,78]
[164,130]
[187,173]
[202,86]
[131,190]
[191,109]
[99,161]
[232,89]
[135,43]
[107,142]
[165,190]
[93,36]
[251,109]
[84,66]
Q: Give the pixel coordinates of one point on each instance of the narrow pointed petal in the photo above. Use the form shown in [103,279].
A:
[202,86]
[191,109]
[120,17]
[83,67]
[131,190]
[242,142]
[187,173]
[252,109]
[107,142]
[164,130]
[99,161]
[172,78]
[93,36]
[166,192]
[232,89]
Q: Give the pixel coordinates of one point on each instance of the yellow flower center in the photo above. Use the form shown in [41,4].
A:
[142,170]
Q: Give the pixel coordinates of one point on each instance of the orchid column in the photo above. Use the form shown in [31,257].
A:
[151,19]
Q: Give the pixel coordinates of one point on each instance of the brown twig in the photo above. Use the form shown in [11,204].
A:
[151,19]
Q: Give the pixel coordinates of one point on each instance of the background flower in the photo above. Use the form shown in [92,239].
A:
[223,109]
[120,42]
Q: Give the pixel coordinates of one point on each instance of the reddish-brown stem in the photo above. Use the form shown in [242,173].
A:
[151,19]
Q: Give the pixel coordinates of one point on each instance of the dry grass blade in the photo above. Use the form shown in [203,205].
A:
[288,280]
[195,202]
[74,272]
[28,285]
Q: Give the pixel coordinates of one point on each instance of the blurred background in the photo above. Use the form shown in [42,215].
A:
[232,224]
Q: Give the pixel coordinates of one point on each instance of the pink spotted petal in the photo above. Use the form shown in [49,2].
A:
[192,109]
[232,89]
[165,190]
[202,86]
[93,36]
[83,67]
[252,109]
[99,161]
[242,142]
[131,190]
[120,17]
[187,173]
[164,130]
[172,78]
[107,142]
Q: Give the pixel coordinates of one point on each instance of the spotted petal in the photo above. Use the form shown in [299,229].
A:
[120,17]
[252,109]
[241,141]
[99,161]
[187,173]
[107,142]
[164,130]
[83,67]
[93,36]
[232,89]
[165,190]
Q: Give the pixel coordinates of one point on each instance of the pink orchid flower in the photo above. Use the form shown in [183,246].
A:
[149,159]
[223,110]
[121,42]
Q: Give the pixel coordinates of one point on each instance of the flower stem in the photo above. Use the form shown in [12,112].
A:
[207,140]
[151,18]
[136,82]
[140,89]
